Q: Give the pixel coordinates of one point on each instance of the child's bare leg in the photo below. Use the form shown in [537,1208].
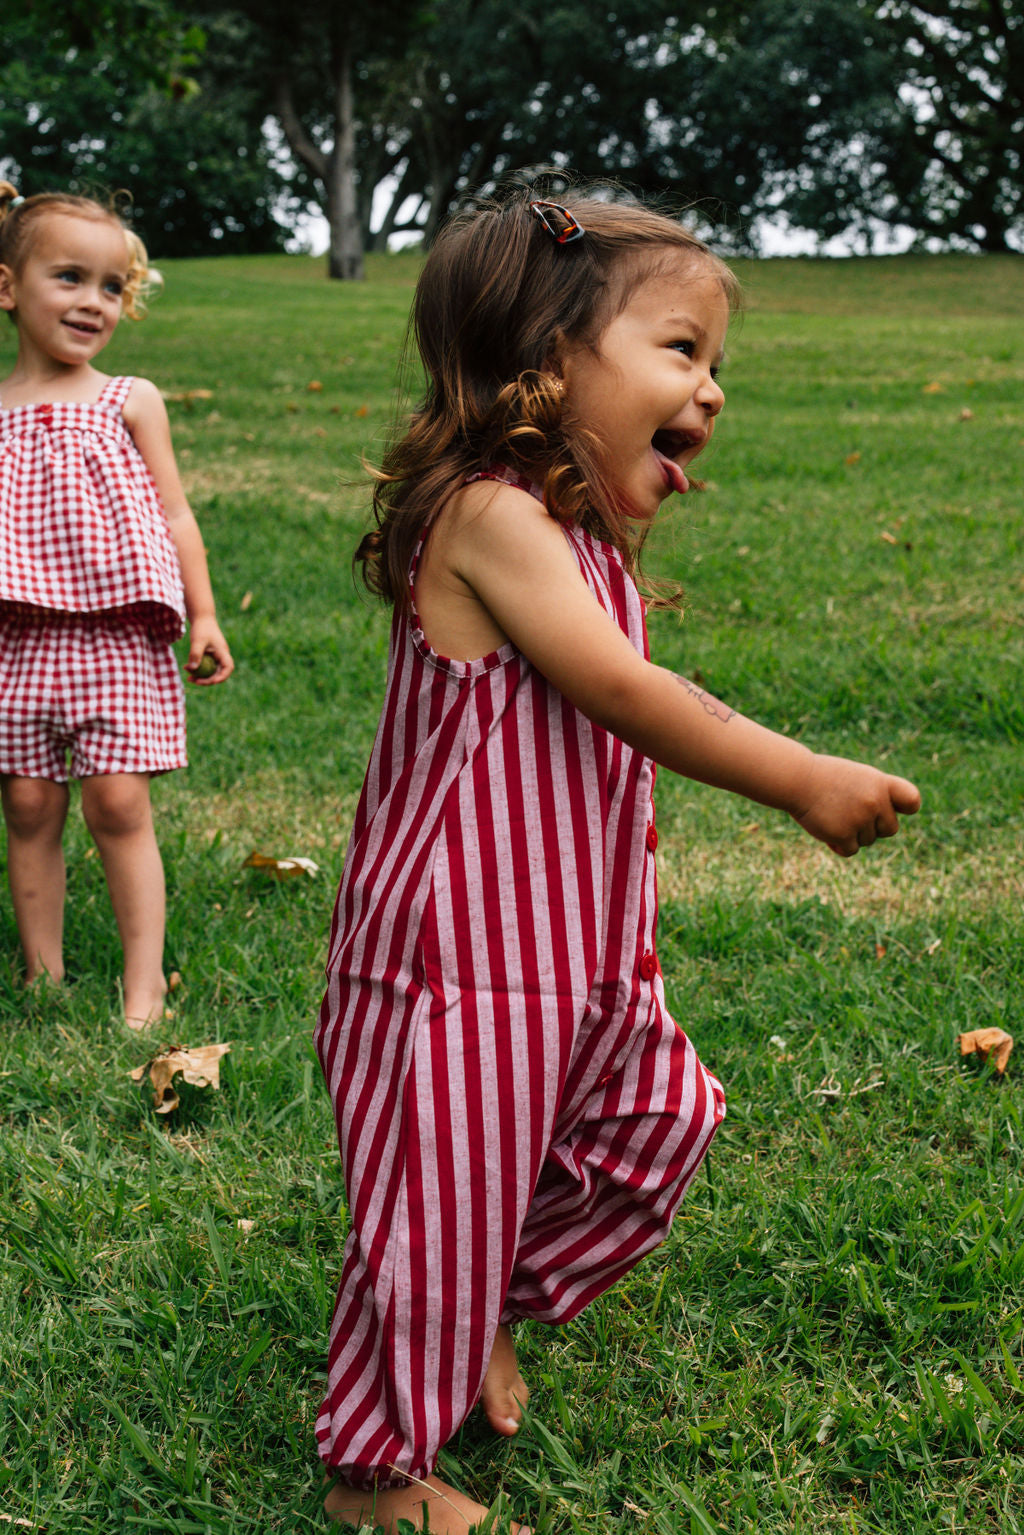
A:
[450,1512]
[119,815]
[35,810]
[505,1393]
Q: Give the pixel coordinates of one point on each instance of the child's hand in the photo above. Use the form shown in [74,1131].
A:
[849,804]
[205,639]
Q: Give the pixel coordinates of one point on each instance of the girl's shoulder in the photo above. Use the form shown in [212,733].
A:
[142,402]
[484,498]
[135,390]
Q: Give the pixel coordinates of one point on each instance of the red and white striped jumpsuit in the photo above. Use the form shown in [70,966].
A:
[518,1115]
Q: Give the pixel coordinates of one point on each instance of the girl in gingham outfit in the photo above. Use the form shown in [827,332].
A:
[101,562]
[518,1114]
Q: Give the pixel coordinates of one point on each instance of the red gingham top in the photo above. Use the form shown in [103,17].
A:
[82,529]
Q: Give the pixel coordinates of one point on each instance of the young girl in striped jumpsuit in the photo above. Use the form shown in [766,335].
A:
[518,1114]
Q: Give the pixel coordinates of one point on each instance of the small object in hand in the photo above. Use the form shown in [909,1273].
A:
[207,665]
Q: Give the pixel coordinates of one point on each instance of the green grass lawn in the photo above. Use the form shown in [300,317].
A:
[832,1338]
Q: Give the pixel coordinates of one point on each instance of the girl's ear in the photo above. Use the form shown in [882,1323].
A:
[7,299]
[554,362]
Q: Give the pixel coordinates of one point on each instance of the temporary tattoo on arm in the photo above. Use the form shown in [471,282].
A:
[709,704]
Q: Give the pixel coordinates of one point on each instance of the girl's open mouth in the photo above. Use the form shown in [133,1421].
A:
[666,446]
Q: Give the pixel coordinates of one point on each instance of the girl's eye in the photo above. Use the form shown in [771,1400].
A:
[67,277]
[686,347]
[114,287]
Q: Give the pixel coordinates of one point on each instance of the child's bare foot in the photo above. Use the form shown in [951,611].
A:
[145,1009]
[44,990]
[449,1512]
[40,980]
[505,1392]
[140,1025]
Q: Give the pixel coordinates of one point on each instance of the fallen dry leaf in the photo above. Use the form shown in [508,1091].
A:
[986,1042]
[314,386]
[932,389]
[363,410]
[246,603]
[186,396]
[889,538]
[281,868]
[966,415]
[853,458]
[199,1066]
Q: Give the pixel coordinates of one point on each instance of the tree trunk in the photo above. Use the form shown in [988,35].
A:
[345,253]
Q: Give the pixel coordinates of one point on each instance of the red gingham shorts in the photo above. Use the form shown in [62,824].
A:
[100,687]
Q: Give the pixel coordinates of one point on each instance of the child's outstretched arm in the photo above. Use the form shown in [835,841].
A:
[516,561]
[146,417]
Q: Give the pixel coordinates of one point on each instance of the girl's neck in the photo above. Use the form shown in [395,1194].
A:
[41,381]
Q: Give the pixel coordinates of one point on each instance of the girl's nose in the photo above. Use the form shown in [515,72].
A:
[711,396]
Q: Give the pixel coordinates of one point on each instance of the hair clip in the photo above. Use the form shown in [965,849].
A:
[15,202]
[558,222]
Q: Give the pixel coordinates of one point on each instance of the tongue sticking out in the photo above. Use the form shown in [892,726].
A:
[675,479]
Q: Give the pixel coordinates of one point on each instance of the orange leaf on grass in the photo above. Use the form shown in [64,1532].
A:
[281,868]
[186,396]
[199,1066]
[988,1042]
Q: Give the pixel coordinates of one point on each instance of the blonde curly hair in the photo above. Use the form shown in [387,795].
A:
[19,220]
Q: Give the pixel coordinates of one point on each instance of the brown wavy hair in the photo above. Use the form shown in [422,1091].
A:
[19,221]
[497,300]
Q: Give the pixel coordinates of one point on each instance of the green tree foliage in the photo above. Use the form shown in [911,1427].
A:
[842,115]
[163,41]
[839,116]
[92,111]
[952,166]
[776,110]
